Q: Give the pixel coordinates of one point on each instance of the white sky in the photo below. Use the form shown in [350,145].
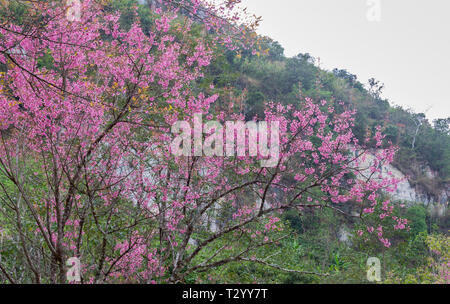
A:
[408,49]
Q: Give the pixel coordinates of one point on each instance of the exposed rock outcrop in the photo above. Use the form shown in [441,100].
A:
[416,192]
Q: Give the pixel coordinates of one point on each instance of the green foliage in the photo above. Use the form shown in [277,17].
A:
[435,268]
[416,216]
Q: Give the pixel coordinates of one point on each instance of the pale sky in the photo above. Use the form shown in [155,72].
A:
[408,49]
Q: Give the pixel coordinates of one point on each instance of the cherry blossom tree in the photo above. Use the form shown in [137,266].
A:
[86,108]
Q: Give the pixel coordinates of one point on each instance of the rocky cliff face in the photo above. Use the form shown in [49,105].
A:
[409,193]
[413,193]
